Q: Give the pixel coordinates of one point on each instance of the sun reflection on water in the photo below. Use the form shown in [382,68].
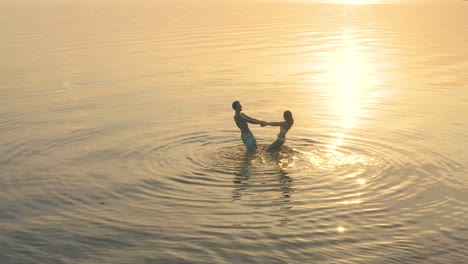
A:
[349,75]
[332,159]
[355,2]
[340,229]
[361,181]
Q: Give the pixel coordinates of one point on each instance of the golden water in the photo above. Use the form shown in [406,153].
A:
[118,145]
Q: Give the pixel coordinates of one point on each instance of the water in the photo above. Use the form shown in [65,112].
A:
[118,145]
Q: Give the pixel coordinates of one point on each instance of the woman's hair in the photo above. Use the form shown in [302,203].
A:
[287,115]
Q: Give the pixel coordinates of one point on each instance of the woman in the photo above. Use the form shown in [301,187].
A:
[284,127]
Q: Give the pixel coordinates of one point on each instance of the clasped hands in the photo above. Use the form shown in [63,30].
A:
[263,123]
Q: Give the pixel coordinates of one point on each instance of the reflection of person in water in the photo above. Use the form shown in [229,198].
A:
[284,128]
[242,121]
[277,191]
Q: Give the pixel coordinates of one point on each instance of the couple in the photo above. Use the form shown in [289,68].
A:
[248,138]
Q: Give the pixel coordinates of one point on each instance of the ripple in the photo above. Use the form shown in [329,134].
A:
[359,171]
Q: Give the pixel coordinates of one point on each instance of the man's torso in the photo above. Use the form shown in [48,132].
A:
[242,123]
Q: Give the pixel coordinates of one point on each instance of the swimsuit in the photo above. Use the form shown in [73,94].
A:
[282,135]
[275,146]
[249,140]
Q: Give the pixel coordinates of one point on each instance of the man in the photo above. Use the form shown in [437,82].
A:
[242,121]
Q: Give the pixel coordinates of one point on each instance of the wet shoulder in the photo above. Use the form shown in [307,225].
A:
[239,117]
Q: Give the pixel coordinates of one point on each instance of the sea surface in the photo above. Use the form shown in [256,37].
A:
[118,144]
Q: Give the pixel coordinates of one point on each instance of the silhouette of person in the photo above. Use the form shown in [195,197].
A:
[284,128]
[242,121]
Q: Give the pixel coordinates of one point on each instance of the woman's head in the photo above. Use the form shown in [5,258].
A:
[287,115]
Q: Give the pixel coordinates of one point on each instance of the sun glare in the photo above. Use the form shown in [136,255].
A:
[351,82]
[340,229]
[357,2]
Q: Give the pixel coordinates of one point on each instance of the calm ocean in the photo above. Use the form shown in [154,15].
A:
[118,144]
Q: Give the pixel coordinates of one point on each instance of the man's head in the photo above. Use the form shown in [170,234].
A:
[236,106]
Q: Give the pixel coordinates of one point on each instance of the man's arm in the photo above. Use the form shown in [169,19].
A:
[252,120]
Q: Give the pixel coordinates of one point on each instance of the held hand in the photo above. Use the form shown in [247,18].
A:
[263,123]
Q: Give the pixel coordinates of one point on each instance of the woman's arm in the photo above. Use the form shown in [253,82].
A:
[276,123]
